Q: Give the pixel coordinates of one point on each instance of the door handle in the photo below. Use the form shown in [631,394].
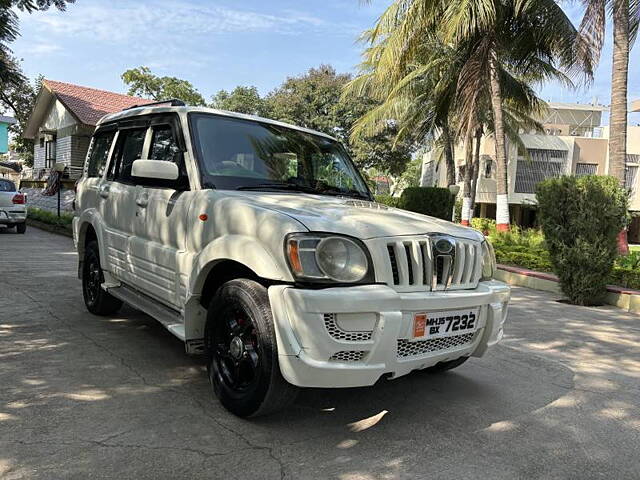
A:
[142,200]
[104,191]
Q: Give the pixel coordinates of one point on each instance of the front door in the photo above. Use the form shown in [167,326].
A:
[161,221]
[118,202]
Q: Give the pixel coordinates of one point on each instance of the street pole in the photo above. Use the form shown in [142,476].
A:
[59,185]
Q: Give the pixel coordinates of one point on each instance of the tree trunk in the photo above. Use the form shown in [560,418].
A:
[620,70]
[502,199]
[618,117]
[448,155]
[476,170]
[466,193]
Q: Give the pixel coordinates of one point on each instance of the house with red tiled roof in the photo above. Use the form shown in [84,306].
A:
[63,120]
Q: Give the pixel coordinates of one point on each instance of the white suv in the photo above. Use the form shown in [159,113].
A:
[258,243]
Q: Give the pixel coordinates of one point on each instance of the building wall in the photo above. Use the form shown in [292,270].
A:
[58,117]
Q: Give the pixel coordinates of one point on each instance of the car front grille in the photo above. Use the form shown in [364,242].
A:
[414,264]
[421,347]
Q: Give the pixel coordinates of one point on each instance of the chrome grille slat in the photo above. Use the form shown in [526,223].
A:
[414,267]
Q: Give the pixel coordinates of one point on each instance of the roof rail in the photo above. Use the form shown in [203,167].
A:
[173,102]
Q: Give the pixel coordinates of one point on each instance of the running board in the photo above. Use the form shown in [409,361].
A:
[169,318]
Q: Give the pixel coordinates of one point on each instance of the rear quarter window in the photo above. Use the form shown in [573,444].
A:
[7,186]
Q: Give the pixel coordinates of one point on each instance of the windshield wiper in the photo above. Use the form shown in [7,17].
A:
[347,193]
[291,187]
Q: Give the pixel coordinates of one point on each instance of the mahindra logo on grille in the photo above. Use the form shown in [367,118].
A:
[443,249]
[444,246]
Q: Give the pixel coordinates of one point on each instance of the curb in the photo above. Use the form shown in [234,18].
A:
[58,229]
[623,298]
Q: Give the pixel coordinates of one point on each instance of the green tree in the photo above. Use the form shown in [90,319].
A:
[9,70]
[313,100]
[142,82]
[626,17]
[505,43]
[242,100]
[17,98]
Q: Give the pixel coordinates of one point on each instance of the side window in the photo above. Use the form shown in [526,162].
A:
[128,150]
[100,146]
[163,144]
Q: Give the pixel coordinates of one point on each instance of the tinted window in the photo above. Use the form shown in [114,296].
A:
[163,144]
[129,149]
[99,153]
[7,186]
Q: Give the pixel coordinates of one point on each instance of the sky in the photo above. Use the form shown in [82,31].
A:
[219,44]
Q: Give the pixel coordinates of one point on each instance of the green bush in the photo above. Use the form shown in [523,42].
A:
[625,277]
[45,216]
[388,200]
[581,218]
[485,225]
[629,261]
[529,260]
[432,201]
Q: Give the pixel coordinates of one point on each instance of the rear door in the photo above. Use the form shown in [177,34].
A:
[118,199]
[162,216]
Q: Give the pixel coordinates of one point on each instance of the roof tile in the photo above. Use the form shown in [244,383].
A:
[90,104]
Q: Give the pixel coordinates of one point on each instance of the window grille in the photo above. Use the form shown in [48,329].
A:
[583,169]
[630,177]
[544,164]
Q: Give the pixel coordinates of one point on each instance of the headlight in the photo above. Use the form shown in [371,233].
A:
[328,258]
[488,261]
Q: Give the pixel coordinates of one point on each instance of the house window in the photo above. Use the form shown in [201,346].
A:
[630,177]
[544,164]
[583,169]
[50,152]
[488,168]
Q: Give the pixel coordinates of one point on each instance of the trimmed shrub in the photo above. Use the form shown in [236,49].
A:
[581,218]
[485,225]
[625,277]
[432,201]
[387,200]
[529,260]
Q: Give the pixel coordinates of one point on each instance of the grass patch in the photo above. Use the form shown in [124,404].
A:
[50,218]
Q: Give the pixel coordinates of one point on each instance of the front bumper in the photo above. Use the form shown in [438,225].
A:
[352,336]
[13,215]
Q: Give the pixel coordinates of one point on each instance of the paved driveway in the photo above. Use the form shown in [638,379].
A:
[87,397]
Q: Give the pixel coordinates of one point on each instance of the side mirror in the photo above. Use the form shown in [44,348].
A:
[155,170]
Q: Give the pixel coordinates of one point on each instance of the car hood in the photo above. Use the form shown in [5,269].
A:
[357,218]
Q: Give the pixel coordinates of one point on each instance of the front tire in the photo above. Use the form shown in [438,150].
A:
[97,300]
[21,227]
[242,351]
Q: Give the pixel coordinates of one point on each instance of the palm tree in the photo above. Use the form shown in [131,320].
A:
[626,17]
[508,40]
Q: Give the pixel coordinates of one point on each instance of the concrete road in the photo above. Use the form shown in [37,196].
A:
[86,397]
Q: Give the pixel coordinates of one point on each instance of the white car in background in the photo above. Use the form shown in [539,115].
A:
[259,244]
[13,206]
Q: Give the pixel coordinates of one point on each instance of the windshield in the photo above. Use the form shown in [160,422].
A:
[246,155]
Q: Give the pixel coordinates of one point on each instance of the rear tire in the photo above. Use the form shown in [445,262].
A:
[242,351]
[444,366]
[21,227]
[97,300]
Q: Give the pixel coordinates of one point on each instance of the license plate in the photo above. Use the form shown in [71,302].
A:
[444,324]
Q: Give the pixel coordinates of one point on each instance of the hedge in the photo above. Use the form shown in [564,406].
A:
[432,201]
